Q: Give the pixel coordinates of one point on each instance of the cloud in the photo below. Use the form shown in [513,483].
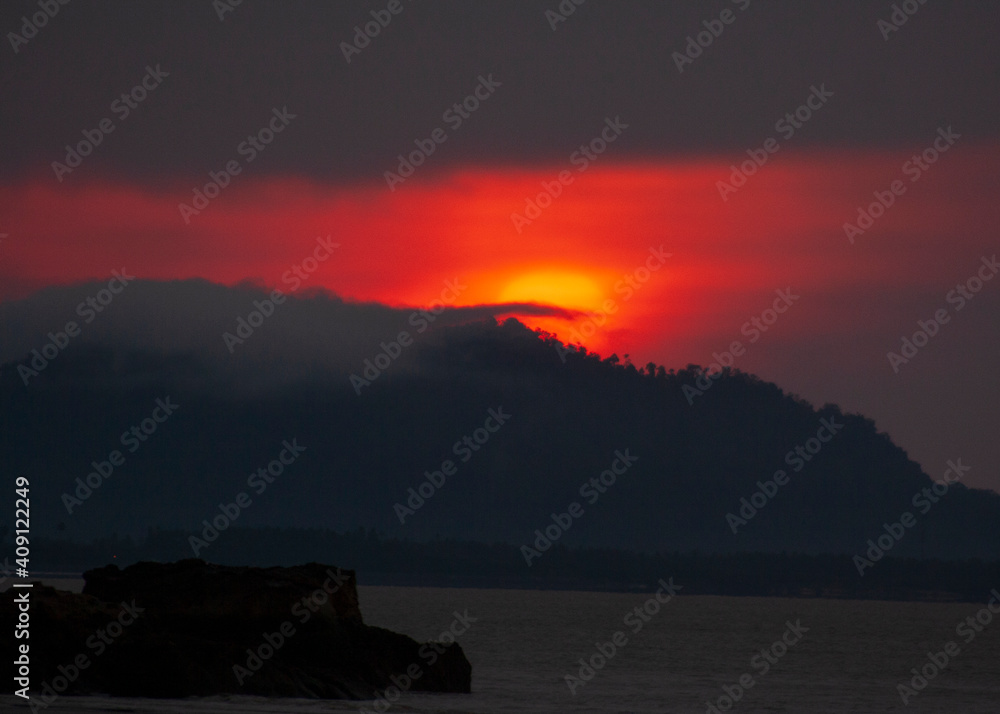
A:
[305,335]
[613,59]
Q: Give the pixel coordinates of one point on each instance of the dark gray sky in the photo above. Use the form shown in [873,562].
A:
[941,67]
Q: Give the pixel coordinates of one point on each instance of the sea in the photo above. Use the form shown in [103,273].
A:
[544,651]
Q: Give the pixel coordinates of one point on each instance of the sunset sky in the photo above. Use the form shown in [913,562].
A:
[607,75]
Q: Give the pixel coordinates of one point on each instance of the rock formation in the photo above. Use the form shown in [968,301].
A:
[194,629]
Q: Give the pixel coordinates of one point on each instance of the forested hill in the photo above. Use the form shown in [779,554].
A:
[499,432]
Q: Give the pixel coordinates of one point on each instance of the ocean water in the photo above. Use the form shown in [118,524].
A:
[836,656]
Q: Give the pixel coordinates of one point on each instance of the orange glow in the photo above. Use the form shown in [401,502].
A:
[566,289]
[563,289]
[783,228]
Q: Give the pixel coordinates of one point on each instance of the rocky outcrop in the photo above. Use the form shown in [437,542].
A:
[194,629]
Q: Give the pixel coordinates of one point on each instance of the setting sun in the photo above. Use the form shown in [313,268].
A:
[561,289]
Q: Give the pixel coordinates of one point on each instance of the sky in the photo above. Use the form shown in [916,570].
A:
[665,198]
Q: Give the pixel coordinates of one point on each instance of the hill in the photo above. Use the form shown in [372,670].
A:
[503,435]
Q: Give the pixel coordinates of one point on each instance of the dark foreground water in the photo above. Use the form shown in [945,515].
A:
[792,655]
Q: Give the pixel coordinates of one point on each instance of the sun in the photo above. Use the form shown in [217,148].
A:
[572,291]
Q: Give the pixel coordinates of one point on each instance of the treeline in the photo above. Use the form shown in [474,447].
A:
[740,466]
[380,560]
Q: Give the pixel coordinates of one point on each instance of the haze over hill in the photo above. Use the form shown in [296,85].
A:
[494,427]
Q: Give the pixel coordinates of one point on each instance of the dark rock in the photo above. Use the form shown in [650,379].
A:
[195,629]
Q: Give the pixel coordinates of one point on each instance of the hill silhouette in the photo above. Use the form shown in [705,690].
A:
[529,426]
